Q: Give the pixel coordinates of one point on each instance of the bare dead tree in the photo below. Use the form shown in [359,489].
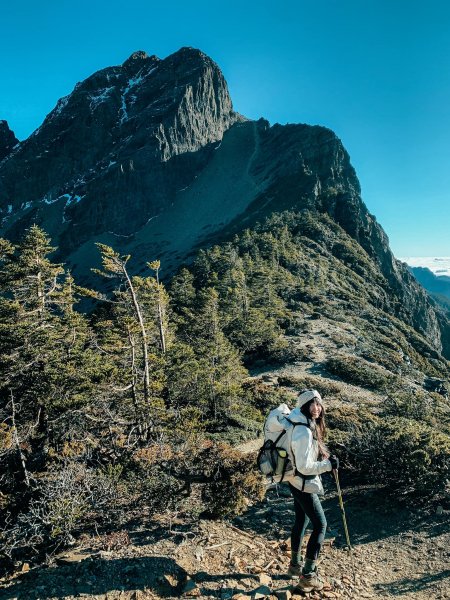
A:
[17,440]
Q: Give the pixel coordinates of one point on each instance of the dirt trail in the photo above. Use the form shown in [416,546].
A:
[398,553]
[314,348]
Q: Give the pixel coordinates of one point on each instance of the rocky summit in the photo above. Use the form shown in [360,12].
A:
[150,158]
[7,140]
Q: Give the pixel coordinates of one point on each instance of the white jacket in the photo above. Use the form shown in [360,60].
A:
[304,454]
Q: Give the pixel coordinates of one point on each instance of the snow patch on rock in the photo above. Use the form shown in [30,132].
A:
[100,97]
[133,82]
[50,200]
[128,98]
[60,105]
[69,200]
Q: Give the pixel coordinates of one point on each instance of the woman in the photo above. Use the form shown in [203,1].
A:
[311,460]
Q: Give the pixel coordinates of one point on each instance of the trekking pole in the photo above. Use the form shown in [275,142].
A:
[341,504]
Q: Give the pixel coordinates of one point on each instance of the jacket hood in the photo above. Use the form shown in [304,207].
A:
[296,416]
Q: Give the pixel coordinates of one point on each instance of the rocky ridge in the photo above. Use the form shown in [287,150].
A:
[438,286]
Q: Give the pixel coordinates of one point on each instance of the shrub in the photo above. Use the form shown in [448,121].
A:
[289,354]
[408,456]
[359,372]
[348,417]
[429,407]
[344,422]
[235,481]
[227,479]
[325,387]
[161,490]
[58,505]
[386,358]
[265,397]
[409,404]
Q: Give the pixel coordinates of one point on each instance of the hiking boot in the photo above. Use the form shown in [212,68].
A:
[295,570]
[310,582]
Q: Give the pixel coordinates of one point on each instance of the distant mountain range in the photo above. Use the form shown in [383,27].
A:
[433,273]
[438,287]
[439,265]
[150,158]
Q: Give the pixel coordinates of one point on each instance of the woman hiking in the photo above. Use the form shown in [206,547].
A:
[311,460]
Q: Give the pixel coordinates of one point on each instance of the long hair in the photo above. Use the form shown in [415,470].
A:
[318,427]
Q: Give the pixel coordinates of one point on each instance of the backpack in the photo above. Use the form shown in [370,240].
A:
[275,459]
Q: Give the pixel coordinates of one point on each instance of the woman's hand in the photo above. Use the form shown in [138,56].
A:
[334,462]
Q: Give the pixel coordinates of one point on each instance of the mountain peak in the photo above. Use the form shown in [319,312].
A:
[122,122]
[188,55]
[138,55]
[150,156]
[7,139]
[190,50]
[139,58]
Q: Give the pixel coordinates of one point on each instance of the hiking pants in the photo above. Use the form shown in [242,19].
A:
[308,509]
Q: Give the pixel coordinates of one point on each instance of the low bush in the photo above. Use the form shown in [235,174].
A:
[264,397]
[59,504]
[228,479]
[408,456]
[390,360]
[348,417]
[325,387]
[358,371]
[430,408]
[235,482]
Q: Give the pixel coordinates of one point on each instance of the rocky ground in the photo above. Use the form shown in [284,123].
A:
[397,553]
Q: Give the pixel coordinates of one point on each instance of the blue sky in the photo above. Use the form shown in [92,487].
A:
[377,72]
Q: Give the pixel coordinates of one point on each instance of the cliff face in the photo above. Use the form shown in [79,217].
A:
[151,158]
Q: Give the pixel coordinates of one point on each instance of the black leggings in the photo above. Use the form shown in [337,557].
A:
[308,508]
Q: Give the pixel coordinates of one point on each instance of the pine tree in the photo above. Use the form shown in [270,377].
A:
[220,366]
[139,334]
[116,265]
[47,366]
[182,290]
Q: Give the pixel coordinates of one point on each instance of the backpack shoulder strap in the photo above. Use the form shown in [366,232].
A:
[279,437]
[295,423]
